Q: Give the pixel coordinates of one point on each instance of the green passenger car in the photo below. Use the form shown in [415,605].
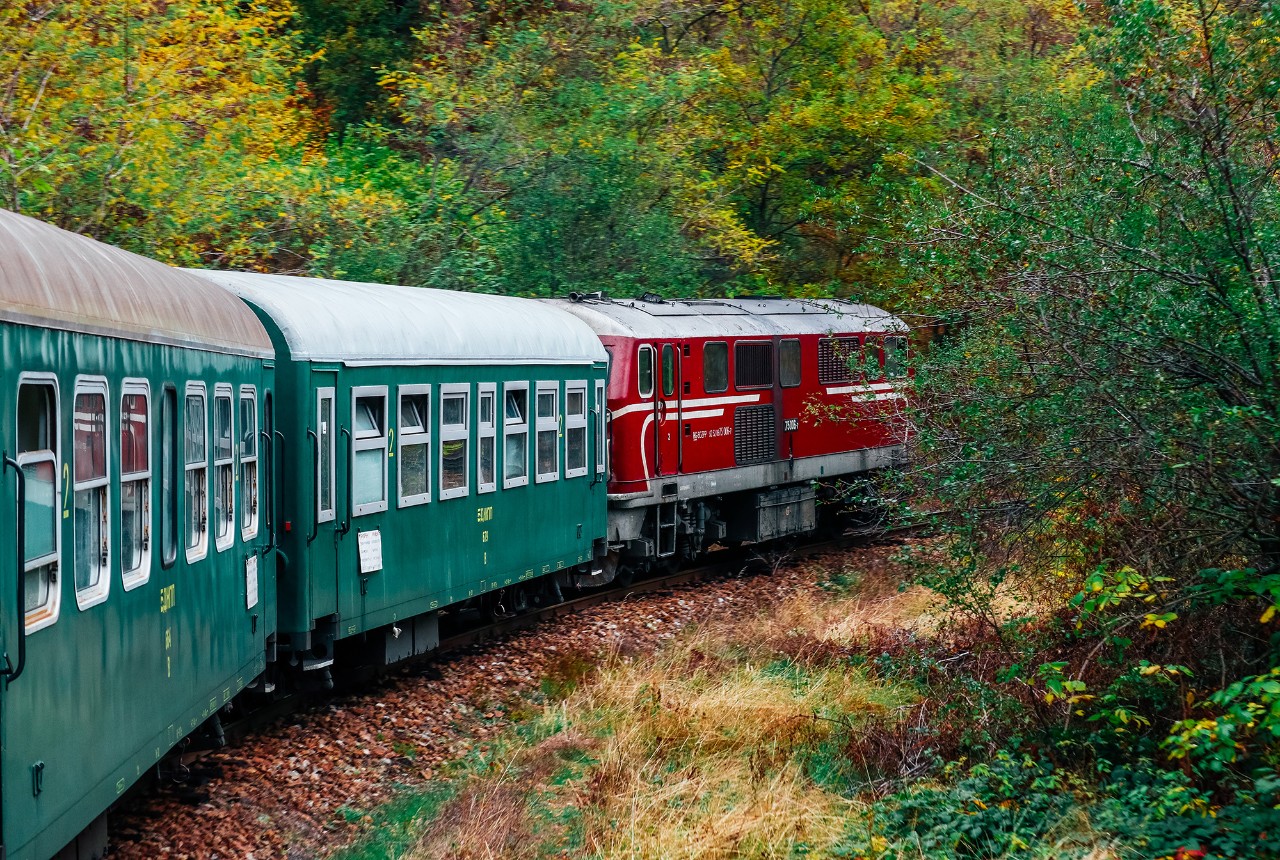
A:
[438,447]
[135,601]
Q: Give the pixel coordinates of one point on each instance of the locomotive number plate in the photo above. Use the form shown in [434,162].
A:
[790,425]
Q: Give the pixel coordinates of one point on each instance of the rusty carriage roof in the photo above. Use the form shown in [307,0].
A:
[651,317]
[52,278]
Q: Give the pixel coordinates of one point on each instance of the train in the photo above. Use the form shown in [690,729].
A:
[255,479]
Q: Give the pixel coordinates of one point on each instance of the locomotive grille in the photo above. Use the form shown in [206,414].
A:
[753,364]
[834,356]
[754,438]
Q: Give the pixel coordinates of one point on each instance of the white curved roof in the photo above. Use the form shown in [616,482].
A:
[727,317]
[52,278]
[354,322]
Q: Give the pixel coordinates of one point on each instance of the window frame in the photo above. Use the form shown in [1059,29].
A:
[576,422]
[405,438]
[902,359]
[170,432]
[47,614]
[249,532]
[130,581]
[515,428]
[452,433]
[223,391]
[602,435]
[329,514]
[653,364]
[199,550]
[799,348]
[546,425]
[486,430]
[706,376]
[369,441]
[93,595]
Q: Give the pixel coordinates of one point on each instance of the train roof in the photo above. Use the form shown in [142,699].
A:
[355,323]
[53,278]
[742,317]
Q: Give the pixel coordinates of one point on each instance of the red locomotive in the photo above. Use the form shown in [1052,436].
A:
[730,417]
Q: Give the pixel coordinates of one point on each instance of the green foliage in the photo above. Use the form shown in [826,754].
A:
[1017,806]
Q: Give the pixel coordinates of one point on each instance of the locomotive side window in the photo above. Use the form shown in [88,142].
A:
[486,439]
[415,445]
[753,364]
[91,557]
[38,458]
[248,462]
[515,435]
[196,469]
[715,367]
[224,474]
[548,448]
[575,429]
[454,438]
[895,356]
[326,458]
[600,428]
[168,476]
[789,363]
[135,485]
[644,371]
[369,450]
[836,358]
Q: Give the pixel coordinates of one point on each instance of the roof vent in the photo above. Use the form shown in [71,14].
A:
[653,298]
[582,297]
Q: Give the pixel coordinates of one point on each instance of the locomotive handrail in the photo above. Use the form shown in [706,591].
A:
[11,674]
[346,526]
[315,509]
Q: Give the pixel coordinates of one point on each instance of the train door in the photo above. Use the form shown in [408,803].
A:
[330,508]
[666,404]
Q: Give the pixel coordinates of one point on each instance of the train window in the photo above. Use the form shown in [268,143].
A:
[369,450]
[249,492]
[548,442]
[515,435]
[753,364]
[38,459]
[224,470]
[168,476]
[837,356]
[789,363]
[415,445]
[91,526]
[326,458]
[715,367]
[135,484]
[454,438]
[600,412]
[668,370]
[895,356]
[196,471]
[644,370]
[575,429]
[486,439]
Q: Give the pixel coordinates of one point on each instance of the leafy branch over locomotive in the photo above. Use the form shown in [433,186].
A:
[728,417]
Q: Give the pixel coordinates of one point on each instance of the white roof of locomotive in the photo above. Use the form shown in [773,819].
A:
[351,322]
[748,317]
[53,278]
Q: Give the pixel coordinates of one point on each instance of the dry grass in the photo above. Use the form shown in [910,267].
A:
[702,751]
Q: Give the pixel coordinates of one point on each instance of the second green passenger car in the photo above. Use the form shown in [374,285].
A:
[440,448]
